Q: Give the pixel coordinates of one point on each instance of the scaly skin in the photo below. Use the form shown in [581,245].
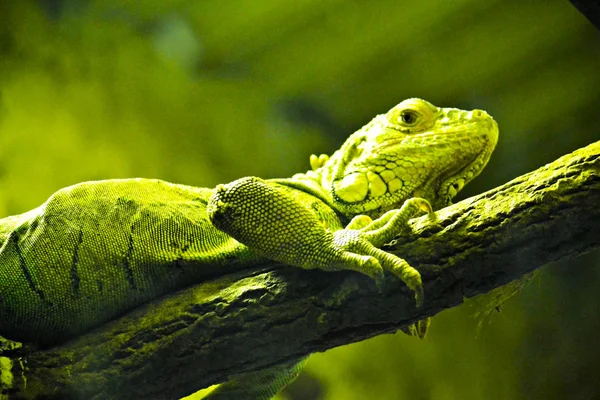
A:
[95,250]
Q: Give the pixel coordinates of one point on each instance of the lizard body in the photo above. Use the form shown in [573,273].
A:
[95,250]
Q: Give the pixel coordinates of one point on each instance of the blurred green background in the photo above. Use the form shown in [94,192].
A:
[202,92]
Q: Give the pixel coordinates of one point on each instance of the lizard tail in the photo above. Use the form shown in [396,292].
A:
[259,385]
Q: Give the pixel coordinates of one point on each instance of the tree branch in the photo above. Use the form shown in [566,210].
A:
[257,318]
[590,9]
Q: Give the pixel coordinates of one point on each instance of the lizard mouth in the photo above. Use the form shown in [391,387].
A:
[456,180]
[454,184]
[476,141]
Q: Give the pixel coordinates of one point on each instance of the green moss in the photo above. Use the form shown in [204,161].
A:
[341,293]
[6,375]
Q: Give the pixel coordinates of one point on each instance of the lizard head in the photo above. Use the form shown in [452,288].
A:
[414,150]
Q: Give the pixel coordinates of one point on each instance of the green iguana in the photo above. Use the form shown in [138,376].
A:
[95,250]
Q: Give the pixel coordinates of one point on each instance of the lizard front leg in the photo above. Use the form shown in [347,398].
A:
[278,227]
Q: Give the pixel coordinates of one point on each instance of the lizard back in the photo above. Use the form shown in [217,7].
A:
[97,249]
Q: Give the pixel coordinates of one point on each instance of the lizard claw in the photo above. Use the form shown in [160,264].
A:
[361,256]
[365,264]
[418,329]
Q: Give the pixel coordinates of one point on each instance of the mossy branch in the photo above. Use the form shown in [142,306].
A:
[253,319]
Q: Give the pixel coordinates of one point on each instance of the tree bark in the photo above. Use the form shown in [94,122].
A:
[256,318]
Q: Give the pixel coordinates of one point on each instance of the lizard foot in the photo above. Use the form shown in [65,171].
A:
[418,329]
[317,162]
[362,256]
[381,231]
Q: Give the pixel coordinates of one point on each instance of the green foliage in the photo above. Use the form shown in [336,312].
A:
[91,98]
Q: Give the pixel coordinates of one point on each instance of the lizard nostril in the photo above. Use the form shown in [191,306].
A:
[478,114]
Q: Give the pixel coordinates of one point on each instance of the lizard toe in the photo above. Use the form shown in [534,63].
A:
[366,265]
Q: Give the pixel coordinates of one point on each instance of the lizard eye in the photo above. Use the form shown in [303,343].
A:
[412,115]
[408,117]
